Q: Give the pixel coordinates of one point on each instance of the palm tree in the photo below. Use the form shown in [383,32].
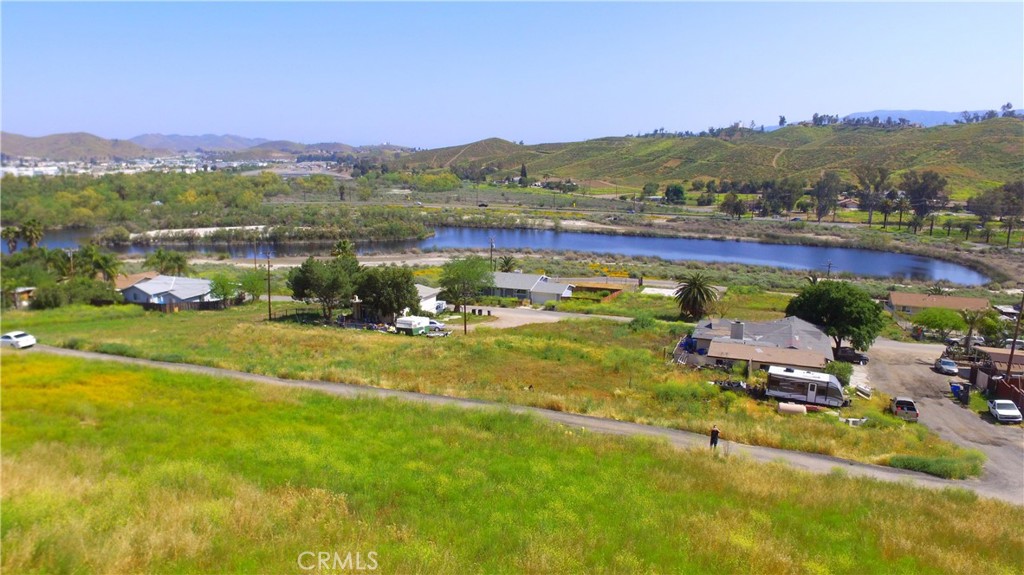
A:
[1009,223]
[11,234]
[934,290]
[62,262]
[972,318]
[695,295]
[966,228]
[507,263]
[902,205]
[887,207]
[343,248]
[948,224]
[99,262]
[168,262]
[32,232]
[812,278]
[916,223]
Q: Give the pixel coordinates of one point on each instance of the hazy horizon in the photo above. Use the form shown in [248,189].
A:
[430,75]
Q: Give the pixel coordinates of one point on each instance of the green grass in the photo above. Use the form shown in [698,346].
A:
[601,368]
[112,468]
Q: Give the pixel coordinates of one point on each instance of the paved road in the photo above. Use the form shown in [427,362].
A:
[899,368]
[680,439]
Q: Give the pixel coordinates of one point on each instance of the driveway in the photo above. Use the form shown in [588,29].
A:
[899,368]
[680,439]
[507,317]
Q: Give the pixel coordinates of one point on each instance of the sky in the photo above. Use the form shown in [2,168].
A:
[438,74]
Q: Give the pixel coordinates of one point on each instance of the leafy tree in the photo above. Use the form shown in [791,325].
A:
[939,319]
[841,369]
[966,228]
[221,287]
[522,172]
[11,235]
[874,182]
[695,295]
[330,284]
[167,262]
[507,263]
[972,320]
[254,282]
[887,207]
[782,121]
[387,290]
[697,185]
[733,205]
[926,192]
[343,248]
[902,205]
[675,194]
[845,311]
[463,279]
[826,194]
[650,189]
[706,199]
[916,223]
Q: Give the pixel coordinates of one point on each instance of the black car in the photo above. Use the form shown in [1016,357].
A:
[850,355]
[482,204]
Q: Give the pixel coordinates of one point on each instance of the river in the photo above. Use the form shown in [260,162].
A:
[820,259]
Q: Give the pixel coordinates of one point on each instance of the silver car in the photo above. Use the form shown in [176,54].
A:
[17,340]
[947,366]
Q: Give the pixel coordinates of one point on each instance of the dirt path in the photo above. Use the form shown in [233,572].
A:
[775,159]
[679,439]
[899,368]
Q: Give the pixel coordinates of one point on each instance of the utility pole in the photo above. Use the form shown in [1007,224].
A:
[1016,333]
[270,313]
[492,253]
[828,274]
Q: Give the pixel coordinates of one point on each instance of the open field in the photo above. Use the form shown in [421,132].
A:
[594,367]
[112,468]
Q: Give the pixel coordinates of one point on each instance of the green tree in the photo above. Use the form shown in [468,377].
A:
[695,295]
[463,279]
[675,194]
[972,319]
[826,194]
[939,319]
[11,235]
[874,182]
[254,282]
[925,191]
[387,291]
[343,248]
[966,228]
[916,223]
[168,262]
[99,262]
[902,205]
[329,284]
[507,263]
[733,205]
[222,288]
[844,311]
[650,189]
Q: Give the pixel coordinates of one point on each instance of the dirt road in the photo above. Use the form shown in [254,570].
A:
[899,368]
[679,439]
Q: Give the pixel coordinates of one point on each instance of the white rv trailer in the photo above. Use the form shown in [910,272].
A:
[806,386]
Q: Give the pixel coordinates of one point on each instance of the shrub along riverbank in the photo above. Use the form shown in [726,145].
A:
[595,367]
[112,468]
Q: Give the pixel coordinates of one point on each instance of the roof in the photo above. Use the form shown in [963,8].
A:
[515,281]
[426,292]
[179,287]
[789,332]
[920,300]
[123,281]
[765,354]
[551,287]
[800,373]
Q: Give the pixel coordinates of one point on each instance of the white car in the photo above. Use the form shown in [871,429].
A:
[17,340]
[435,325]
[1004,410]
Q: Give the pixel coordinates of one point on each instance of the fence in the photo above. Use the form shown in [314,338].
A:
[191,305]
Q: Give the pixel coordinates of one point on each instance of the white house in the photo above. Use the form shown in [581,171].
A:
[169,289]
[428,298]
[538,289]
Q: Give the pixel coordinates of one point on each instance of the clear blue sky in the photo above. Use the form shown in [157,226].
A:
[431,74]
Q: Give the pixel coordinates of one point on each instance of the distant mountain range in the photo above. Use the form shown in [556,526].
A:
[73,147]
[209,142]
[926,118]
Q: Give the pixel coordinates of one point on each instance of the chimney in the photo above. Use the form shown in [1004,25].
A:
[737,330]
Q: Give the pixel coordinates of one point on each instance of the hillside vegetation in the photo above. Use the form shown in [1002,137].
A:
[973,157]
[78,147]
[111,468]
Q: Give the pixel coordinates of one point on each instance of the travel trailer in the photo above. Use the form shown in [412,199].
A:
[806,386]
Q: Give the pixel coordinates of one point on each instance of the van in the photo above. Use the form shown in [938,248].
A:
[904,408]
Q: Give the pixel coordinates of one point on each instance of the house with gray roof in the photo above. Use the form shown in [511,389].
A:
[169,290]
[535,288]
[759,343]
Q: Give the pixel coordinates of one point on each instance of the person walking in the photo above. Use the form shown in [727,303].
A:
[714,436]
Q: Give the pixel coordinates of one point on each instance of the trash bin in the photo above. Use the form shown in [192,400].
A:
[954,388]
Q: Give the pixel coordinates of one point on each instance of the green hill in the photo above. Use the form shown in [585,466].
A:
[972,157]
[73,147]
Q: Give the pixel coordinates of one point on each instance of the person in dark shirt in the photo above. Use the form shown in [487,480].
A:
[714,436]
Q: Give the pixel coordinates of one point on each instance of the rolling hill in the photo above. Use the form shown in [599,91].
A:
[180,143]
[972,157]
[73,147]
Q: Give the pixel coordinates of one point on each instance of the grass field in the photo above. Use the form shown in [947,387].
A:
[595,367]
[119,469]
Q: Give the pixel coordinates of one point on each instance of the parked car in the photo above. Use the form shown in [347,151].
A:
[1004,410]
[947,366]
[482,204]
[17,340]
[850,355]
[435,325]
[1018,344]
[962,341]
[904,408]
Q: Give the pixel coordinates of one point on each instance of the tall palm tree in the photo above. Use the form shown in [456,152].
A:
[167,262]
[32,232]
[11,235]
[99,262]
[966,228]
[507,263]
[1009,223]
[344,247]
[902,205]
[949,224]
[972,318]
[887,207]
[695,295]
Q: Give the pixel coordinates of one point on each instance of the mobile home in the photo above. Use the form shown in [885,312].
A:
[806,386]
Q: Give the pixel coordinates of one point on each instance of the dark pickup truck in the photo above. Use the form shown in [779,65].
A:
[850,355]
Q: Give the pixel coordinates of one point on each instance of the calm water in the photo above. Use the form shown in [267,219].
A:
[861,262]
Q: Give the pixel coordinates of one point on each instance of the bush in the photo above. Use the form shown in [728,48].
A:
[672,392]
[117,349]
[842,370]
[946,467]
[642,322]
